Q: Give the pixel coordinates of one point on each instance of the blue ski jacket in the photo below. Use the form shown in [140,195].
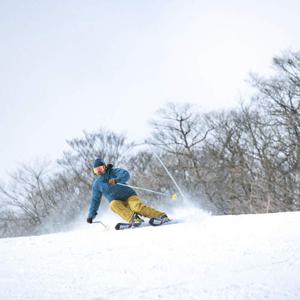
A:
[111,192]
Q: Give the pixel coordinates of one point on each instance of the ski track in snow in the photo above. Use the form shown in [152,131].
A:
[214,257]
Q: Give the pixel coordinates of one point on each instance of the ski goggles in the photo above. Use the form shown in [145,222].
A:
[99,170]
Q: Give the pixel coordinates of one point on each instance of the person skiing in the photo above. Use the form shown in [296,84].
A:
[123,200]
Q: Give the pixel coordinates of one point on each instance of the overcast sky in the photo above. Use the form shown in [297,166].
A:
[69,66]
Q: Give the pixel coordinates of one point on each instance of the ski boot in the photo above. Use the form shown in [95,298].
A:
[160,220]
[137,220]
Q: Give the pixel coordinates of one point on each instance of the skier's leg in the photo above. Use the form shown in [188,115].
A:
[138,207]
[121,208]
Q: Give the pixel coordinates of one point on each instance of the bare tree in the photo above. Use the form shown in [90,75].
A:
[25,198]
[180,130]
[280,100]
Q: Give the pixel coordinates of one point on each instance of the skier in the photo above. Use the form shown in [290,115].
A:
[123,200]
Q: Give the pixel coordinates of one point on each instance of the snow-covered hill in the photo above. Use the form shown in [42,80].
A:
[213,257]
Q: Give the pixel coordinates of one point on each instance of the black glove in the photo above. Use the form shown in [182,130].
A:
[89,220]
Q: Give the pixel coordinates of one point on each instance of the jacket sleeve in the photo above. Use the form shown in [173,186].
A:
[95,201]
[122,175]
[97,190]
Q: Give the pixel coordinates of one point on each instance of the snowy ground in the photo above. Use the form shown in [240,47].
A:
[215,257]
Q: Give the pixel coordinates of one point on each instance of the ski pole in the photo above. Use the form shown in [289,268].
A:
[105,226]
[170,175]
[173,196]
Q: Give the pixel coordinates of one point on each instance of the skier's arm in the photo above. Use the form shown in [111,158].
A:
[95,202]
[97,190]
[121,175]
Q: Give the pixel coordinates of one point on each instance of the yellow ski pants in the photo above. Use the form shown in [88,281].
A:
[126,209]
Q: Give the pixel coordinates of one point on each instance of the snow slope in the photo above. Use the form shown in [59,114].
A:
[215,257]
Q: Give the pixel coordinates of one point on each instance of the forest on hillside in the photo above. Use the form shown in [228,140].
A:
[240,161]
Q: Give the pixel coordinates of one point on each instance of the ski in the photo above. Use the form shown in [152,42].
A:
[152,222]
[159,221]
[121,226]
